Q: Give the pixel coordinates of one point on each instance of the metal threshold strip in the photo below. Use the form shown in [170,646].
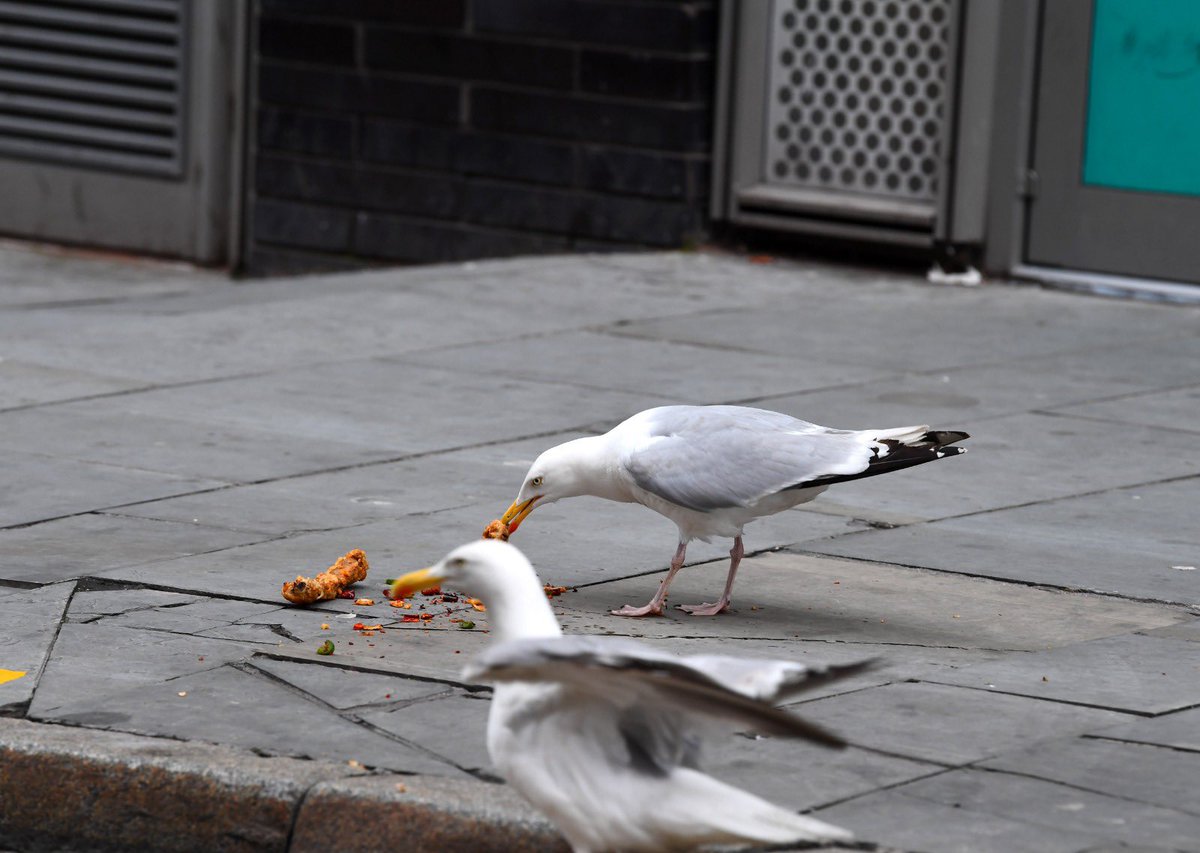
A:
[1104,284]
[838,205]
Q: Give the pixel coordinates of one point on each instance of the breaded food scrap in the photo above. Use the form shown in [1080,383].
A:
[496,530]
[348,570]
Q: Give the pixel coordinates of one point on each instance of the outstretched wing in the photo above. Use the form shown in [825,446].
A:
[642,683]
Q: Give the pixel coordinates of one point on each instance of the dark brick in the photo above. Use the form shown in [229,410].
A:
[667,127]
[632,220]
[426,13]
[653,78]
[302,225]
[323,43]
[679,27]
[523,208]
[426,195]
[283,130]
[349,92]
[517,158]
[462,57]
[404,144]
[611,170]
[402,239]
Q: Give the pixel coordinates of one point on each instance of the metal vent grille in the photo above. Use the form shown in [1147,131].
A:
[857,95]
[93,82]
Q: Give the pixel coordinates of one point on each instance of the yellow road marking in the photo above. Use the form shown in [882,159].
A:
[10,675]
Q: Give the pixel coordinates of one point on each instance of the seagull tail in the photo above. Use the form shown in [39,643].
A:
[733,815]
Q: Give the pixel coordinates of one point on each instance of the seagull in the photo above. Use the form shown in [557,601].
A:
[713,469]
[602,734]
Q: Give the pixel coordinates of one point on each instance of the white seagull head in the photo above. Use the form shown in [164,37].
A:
[565,471]
[498,575]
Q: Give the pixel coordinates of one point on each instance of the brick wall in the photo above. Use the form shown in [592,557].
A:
[434,130]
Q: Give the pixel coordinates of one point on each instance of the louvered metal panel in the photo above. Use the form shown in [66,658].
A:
[95,83]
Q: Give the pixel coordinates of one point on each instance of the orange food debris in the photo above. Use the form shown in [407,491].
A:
[324,627]
[553,591]
[477,604]
[496,530]
[400,602]
[364,602]
[433,590]
[348,570]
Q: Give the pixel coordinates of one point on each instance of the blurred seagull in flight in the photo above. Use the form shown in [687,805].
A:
[603,734]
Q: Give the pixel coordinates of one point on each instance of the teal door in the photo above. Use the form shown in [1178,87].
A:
[1117,144]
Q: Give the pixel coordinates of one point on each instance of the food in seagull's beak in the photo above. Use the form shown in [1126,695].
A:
[415,582]
[517,512]
[497,529]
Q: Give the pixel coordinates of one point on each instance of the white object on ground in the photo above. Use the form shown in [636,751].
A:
[603,733]
[713,469]
[970,277]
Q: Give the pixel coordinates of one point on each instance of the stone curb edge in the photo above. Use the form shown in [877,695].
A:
[65,788]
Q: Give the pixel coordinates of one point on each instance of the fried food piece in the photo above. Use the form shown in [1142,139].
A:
[496,530]
[349,569]
[553,591]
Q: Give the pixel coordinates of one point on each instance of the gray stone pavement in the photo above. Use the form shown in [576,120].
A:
[177,445]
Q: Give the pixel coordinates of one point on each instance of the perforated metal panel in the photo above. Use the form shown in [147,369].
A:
[93,82]
[857,95]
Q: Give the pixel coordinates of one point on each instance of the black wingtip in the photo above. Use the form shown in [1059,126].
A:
[941,438]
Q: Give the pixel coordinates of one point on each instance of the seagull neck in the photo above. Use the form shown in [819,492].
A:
[596,469]
[525,616]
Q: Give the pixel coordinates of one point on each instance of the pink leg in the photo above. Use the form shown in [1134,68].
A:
[655,607]
[735,557]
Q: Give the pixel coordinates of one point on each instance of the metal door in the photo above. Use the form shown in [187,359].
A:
[1115,186]
[119,123]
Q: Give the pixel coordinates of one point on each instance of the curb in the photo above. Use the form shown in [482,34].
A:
[71,789]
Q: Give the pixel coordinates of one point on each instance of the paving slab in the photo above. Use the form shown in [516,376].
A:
[90,604]
[27,633]
[919,328]
[1058,807]
[949,725]
[111,431]
[1140,674]
[1146,774]
[785,596]
[452,726]
[896,820]
[25,383]
[90,544]
[228,706]
[1188,630]
[670,371]
[79,486]
[92,661]
[1178,730]
[1018,384]
[1124,542]
[344,688]
[1175,409]
[387,405]
[485,476]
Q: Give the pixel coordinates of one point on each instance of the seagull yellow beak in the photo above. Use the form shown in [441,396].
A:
[516,513]
[415,582]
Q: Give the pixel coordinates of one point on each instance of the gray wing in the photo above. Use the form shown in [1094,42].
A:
[710,457]
[651,688]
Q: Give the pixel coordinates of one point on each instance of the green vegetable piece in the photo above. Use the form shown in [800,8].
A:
[326,648]
[465,625]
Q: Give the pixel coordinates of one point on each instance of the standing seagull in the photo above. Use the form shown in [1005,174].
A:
[603,733]
[712,469]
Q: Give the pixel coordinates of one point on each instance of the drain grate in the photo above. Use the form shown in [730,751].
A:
[857,95]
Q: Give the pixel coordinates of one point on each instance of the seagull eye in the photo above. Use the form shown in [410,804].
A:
[536,481]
